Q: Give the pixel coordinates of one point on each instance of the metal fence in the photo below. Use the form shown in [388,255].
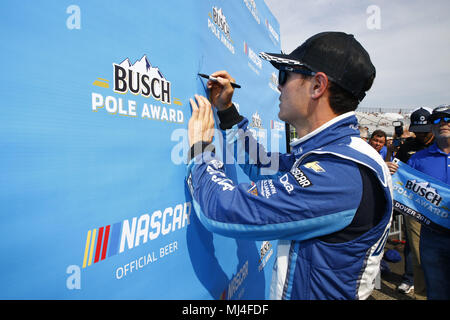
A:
[375,118]
[399,110]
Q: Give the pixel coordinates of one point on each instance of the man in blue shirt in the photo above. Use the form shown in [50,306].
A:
[434,245]
[378,142]
[328,203]
[413,278]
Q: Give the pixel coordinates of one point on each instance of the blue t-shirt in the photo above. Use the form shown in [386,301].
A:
[383,153]
[433,162]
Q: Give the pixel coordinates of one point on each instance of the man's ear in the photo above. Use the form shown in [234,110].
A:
[319,85]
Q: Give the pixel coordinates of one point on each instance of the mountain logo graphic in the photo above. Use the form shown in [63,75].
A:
[141,78]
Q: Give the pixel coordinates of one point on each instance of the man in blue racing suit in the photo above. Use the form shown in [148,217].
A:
[329,203]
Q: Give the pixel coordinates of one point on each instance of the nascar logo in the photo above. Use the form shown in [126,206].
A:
[252,55]
[112,239]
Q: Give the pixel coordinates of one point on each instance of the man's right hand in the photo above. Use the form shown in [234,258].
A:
[221,91]
[393,167]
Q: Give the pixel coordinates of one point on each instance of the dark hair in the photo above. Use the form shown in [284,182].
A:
[340,100]
[378,133]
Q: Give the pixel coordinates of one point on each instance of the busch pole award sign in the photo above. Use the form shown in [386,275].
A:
[93,130]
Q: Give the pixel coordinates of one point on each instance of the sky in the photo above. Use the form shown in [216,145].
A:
[408,42]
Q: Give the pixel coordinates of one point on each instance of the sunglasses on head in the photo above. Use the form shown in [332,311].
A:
[283,73]
[438,120]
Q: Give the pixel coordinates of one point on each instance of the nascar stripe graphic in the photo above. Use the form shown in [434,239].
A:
[97,241]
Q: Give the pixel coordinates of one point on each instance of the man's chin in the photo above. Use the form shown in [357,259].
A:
[442,133]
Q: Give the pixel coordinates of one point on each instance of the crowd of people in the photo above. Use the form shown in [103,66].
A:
[426,252]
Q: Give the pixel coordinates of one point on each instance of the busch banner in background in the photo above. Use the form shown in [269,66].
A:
[95,105]
[422,197]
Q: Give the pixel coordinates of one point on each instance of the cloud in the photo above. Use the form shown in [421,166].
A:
[410,51]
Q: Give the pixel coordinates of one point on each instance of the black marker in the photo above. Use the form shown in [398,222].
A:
[234,85]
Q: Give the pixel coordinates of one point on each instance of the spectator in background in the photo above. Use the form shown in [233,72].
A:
[434,245]
[422,131]
[378,142]
[424,137]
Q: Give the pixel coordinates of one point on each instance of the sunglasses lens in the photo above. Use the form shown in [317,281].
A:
[438,120]
[282,77]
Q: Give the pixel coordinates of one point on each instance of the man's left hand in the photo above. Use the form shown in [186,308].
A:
[201,123]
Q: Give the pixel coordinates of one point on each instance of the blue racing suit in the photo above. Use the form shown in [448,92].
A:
[315,205]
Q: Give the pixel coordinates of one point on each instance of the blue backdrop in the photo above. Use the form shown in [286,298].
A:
[94,111]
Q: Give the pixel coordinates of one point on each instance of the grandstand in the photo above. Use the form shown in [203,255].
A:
[378,118]
[382,118]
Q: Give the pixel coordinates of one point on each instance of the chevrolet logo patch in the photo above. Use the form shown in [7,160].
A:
[314,166]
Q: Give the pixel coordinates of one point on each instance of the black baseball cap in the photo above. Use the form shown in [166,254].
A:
[441,111]
[420,120]
[338,55]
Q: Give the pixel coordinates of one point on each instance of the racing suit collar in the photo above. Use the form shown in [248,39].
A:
[343,125]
